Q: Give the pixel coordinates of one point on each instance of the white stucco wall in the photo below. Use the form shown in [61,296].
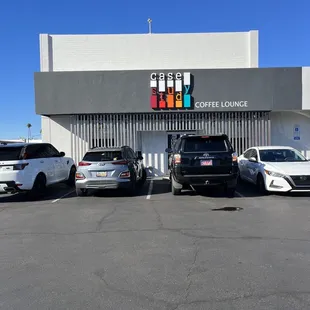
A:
[56,130]
[306,88]
[282,130]
[148,51]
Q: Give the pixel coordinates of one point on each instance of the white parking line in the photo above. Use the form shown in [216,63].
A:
[238,194]
[149,194]
[63,196]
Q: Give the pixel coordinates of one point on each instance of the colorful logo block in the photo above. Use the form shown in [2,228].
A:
[171,91]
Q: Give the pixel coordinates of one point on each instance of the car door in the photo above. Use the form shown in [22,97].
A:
[61,163]
[242,163]
[252,167]
[44,163]
[245,164]
[131,156]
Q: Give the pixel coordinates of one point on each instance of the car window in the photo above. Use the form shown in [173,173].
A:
[10,153]
[205,144]
[247,154]
[130,153]
[33,151]
[176,146]
[44,151]
[281,155]
[52,150]
[103,156]
[254,154]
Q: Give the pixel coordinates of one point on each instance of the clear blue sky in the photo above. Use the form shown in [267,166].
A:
[284,27]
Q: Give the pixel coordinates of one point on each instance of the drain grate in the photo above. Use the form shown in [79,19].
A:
[228,209]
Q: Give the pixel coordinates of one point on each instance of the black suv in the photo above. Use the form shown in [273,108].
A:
[203,160]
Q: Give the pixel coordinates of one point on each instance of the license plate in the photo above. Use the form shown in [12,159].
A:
[6,168]
[2,186]
[101,174]
[206,163]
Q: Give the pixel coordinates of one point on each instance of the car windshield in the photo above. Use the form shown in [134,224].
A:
[281,155]
[205,144]
[10,153]
[103,156]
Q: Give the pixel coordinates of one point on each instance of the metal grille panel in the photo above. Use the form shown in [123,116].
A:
[245,129]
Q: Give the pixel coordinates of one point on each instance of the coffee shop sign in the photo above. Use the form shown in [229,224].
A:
[221,104]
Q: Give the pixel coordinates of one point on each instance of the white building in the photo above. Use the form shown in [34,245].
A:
[77,113]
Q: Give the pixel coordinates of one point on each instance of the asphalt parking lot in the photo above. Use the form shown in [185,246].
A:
[154,250]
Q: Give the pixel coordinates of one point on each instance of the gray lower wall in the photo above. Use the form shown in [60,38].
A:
[264,89]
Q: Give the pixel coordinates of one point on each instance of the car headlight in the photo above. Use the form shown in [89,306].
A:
[274,174]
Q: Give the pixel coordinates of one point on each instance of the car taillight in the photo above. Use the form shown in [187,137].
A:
[234,157]
[177,158]
[20,166]
[79,176]
[82,163]
[125,174]
[120,162]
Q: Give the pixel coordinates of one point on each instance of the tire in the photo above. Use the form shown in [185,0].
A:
[143,178]
[131,191]
[260,183]
[39,186]
[230,192]
[175,191]
[81,192]
[71,179]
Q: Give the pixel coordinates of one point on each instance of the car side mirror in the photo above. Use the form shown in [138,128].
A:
[253,159]
[168,150]
[62,154]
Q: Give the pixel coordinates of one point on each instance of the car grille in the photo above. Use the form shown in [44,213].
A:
[101,182]
[301,180]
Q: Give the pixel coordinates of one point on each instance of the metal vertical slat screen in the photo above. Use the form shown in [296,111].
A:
[245,129]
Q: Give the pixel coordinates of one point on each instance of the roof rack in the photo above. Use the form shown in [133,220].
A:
[105,147]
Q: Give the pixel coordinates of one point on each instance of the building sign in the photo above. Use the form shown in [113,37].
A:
[171,91]
[221,104]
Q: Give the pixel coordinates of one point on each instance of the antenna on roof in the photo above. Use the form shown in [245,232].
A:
[150,25]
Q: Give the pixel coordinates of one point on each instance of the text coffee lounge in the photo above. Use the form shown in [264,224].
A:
[148,110]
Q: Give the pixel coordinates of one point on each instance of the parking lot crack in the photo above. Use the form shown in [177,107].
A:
[158,218]
[105,217]
[101,274]
[190,272]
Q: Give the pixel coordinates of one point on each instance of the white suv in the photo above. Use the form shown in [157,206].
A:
[33,166]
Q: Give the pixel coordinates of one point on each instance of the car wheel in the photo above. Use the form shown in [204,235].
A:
[71,179]
[230,192]
[261,185]
[39,186]
[143,178]
[81,192]
[131,191]
[175,191]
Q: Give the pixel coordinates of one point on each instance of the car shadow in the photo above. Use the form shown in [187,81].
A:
[52,192]
[250,190]
[158,187]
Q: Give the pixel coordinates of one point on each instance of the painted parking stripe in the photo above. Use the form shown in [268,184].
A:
[63,196]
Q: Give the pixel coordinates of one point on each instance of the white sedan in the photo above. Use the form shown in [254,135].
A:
[275,169]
